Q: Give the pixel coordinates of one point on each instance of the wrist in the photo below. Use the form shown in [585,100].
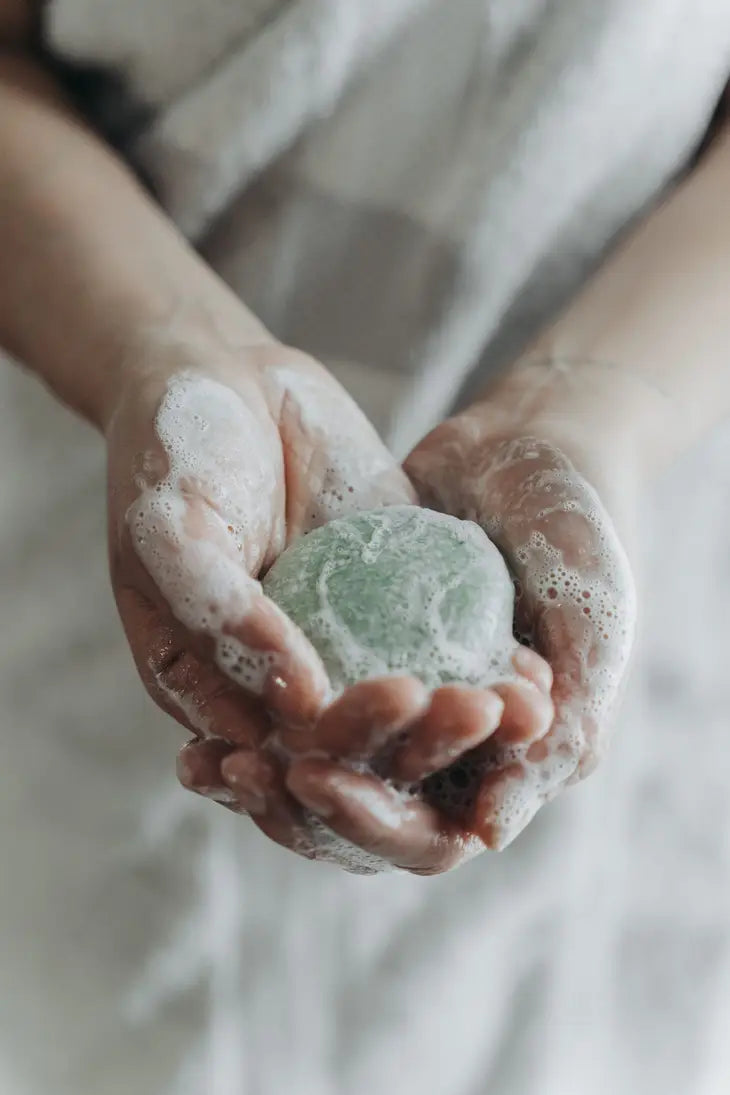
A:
[98,279]
[149,353]
[597,412]
[602,418]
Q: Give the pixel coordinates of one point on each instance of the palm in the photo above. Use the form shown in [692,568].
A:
[212,470]
[576,603]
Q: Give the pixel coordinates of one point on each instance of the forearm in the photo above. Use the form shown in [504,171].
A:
[640,361]
[88,263]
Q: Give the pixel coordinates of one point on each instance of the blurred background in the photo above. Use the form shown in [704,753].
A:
[149,943]
[152,943]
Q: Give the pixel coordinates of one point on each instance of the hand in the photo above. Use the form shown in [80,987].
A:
[214,465]
[576,601]
[216,460]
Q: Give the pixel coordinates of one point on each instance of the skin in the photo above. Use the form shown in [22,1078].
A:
[177,665]
[103,299]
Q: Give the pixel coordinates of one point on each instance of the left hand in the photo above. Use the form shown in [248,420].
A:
[576,599]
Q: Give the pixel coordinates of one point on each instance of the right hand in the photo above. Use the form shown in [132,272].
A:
[215,463]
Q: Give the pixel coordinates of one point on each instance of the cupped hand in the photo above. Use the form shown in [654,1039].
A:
[214,466]
[215,462]
[576,603]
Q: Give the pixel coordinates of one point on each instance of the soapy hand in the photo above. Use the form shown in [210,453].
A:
[215,462]
[213,469]
[576,602]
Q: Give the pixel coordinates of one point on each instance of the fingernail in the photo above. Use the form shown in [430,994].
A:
[250,801]
[525,661]
[241,783]
[184,773]
[493,706]
[522,658]
[246,796]
[220,794]
[314,801]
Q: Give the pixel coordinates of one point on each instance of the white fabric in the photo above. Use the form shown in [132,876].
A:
[449,184]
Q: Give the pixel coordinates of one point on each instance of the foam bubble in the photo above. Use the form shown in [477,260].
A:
[403,589]
[358,472]
[200,527]
[566,552]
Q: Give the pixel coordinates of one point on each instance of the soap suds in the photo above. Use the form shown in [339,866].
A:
[396,590]
[352,470]
[563,548]
[199,528]
[184,702]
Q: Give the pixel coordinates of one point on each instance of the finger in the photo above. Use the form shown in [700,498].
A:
[510,794]
[336,463]
[363,720]
[199,769]
[457,719]
[585,688]
[576,595]
[503,806]
[194,692]
[259,785]
[201,579]
[293,683]
[535,668]
[588,662]
[578,590]
[527,713]
[406,832]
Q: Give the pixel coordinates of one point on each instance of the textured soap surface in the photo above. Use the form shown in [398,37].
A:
[399,590]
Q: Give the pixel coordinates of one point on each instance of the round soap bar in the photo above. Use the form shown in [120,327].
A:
[399,590]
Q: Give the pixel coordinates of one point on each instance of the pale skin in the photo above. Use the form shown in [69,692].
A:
[103,299]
